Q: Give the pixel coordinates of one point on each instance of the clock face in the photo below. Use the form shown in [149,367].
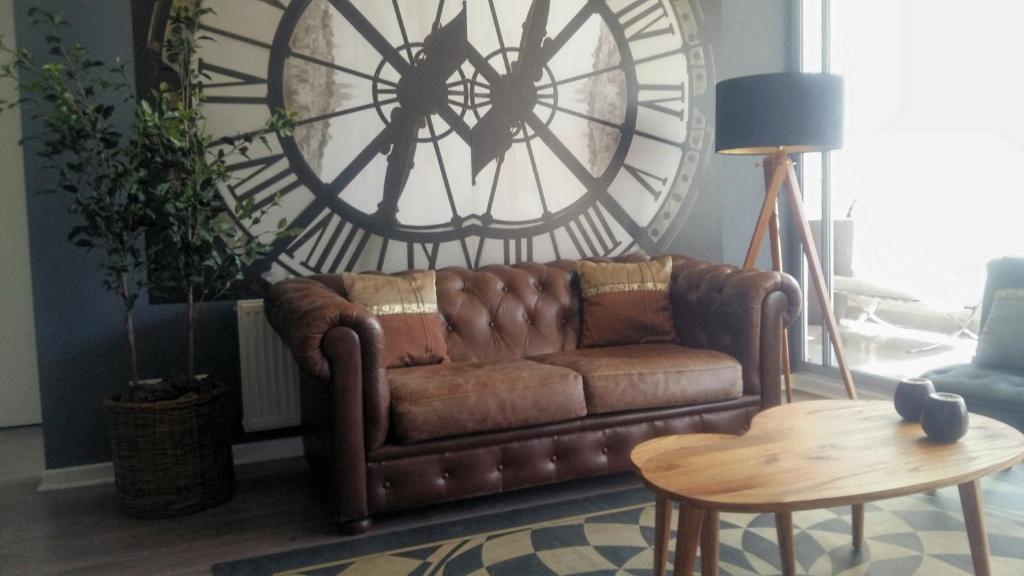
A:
[433,133]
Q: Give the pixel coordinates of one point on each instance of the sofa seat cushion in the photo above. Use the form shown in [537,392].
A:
[638,376]
[443,400]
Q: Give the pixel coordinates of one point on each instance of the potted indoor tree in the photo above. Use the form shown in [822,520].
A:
[197,250]
[194,250]
[169,438]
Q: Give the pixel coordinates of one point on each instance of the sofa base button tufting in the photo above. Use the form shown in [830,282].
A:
[353,424]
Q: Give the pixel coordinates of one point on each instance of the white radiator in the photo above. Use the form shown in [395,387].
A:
[270,377]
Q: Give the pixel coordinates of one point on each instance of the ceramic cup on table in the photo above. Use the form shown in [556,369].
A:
[911,394]
[945,417]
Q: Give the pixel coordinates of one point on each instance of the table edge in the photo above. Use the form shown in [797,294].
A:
[830,502]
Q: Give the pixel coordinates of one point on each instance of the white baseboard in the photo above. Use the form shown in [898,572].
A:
[103,472]
[76,477]
[267,450]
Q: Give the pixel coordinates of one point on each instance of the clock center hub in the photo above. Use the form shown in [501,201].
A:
[421,94]
[516,94]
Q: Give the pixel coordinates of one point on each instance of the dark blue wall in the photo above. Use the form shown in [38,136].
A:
[82,354]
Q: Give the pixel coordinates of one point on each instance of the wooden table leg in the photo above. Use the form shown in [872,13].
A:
[709,544]
[858,526]
[687,539]
[662,530]
[787,553]
[970,500]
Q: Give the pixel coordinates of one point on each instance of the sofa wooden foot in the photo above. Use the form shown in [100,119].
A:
[359,526]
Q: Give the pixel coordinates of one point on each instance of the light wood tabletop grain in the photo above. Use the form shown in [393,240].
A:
[816,454]
[819,454]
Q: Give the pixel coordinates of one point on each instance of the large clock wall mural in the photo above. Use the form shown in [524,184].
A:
[433,133]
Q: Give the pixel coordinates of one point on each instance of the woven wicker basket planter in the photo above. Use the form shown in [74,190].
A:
[171,458]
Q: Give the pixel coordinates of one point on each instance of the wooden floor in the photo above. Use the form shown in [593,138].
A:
[276,508]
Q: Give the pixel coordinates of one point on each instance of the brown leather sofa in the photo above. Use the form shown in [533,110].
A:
[520,405]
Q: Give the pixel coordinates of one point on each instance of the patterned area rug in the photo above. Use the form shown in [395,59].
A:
[612,534]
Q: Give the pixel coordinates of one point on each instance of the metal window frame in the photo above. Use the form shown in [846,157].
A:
[796,263]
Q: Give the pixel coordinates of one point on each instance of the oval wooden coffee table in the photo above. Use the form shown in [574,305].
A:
[811,455]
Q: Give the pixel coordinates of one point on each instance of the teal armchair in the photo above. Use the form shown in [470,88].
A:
[991,390]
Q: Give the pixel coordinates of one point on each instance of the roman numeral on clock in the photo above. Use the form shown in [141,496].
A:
[429,254]
[270,180]
[219,35]
[591,234]
[518,250]
[646,179]
[657,96]
[644,19]
[226,86]
[329,244]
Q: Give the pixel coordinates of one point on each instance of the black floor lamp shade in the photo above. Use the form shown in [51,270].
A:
[798,112]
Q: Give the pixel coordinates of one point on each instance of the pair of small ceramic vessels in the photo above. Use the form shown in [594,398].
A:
[943,416]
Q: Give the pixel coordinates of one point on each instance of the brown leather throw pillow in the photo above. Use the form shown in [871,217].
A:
[406,306]
[626,303]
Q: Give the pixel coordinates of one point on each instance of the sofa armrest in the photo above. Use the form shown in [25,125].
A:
[303,311]
[739,312]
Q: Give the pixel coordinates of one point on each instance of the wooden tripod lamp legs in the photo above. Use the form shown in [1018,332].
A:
[776,240]
[782,173]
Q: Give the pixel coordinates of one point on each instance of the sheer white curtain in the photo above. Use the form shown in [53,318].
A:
[934,144]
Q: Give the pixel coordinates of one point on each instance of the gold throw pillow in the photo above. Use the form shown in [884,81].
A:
[406,306]
[626,303]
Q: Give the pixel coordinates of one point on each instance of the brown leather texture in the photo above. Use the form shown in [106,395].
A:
[509,312]
[638,376]
[413,340]
[626,303]
[721,308]
[333,425]
[394,450]
[303,310]
[406,307]
[429,402]
[503,465]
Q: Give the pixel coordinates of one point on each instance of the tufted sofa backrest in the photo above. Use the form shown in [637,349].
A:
[509,311]
[513,311]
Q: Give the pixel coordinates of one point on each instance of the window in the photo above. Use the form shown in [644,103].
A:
[926,187]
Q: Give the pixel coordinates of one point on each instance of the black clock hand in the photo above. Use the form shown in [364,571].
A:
[420,91]
[400,161]
[534,31]
[444,49]
[512,95]
[491,137]
[443,109]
